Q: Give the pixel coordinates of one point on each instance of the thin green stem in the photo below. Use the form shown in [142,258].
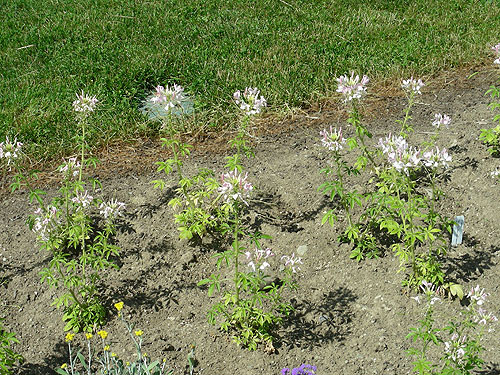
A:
[236,256]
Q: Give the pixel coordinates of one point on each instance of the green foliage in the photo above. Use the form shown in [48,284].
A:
[8,357]
[107,362]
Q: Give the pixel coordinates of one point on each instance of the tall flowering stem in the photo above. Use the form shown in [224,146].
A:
[412,88]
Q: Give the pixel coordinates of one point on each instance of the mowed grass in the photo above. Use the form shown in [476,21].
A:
[292,50]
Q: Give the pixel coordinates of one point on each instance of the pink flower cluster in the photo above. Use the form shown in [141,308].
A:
[71,167]
[497,53]
[292,261]
[45,223]
[10,150]
[352,87]
[85,103]
[83,200]
[258,259]
[171,97]
[332,140]
[402,157]
[235,187]
[441,120]
[250,102]
[412,86]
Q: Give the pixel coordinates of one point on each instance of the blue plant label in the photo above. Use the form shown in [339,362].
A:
[458,231]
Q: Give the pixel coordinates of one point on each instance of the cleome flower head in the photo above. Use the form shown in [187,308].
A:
[235,187]
[85,103]
[332,140]
[171,97]
[112,209]
[441,120]
[45,222]
[434,158]
[82,199]
[400,155]
[71,167]
[249,101]
[478,295]
[258,259]
[412,86]
[10,150]
[455,348]
[292,262]
[496,48]
[352,87]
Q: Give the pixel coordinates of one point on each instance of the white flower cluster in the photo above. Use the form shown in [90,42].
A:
[10,150]
[71,167]
[497,54]
[83,200]
[292,261]
[45,222]
[250,102]
[332,140]
[455,348]
[112,209]
[441,120]
[235,187]
[403,157]
[352,87]
[85,103]
[171,97]
[412,86]
[258,259]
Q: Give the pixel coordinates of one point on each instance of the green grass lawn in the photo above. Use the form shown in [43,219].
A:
[292,50]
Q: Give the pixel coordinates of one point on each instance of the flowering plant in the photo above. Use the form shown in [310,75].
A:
[252,302]
[303,369]
[81,247]
[107,362]
[461,339]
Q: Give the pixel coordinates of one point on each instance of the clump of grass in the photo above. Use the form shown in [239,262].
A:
[120,50]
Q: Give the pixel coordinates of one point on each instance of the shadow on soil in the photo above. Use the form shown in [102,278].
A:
[50,363]
[316,323]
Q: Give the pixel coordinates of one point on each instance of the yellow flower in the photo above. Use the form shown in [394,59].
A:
[127,363]
[113,354]
[106,348]
[103,334]
[88,336]
[69,336]
[139,333]
[119,306]
[64,365]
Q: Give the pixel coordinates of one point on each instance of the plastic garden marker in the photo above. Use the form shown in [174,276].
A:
[458,231]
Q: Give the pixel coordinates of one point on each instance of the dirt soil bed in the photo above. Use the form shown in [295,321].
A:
[350,318]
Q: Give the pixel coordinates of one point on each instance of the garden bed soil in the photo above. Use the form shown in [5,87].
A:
[350,317]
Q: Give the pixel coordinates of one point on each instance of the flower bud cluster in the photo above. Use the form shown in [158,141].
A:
[10,150]
[332,140]
[258,259]
[352,87]
[250,102]
[412,86]
[235,187]
[45,222]
[171,97]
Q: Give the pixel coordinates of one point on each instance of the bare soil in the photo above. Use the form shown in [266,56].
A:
[350,317]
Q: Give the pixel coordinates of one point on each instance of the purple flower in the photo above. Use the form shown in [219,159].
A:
[302,370]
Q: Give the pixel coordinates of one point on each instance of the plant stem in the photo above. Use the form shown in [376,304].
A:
[236,246]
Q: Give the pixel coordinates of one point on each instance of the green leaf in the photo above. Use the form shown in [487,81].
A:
[456,290]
